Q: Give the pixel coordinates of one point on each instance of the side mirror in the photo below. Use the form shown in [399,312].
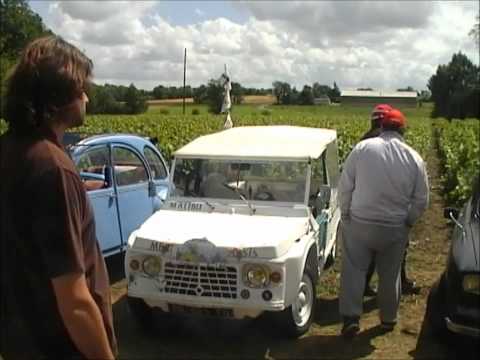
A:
[450,212]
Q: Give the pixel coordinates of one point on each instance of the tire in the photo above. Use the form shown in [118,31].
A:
[435,312]
[296,320]
[142,313]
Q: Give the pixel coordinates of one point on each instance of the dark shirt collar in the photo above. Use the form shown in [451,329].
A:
[388,134]
[47,133]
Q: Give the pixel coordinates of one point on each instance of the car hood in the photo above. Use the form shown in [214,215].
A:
[237,235]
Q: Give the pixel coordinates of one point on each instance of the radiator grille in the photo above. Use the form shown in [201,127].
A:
[201,280]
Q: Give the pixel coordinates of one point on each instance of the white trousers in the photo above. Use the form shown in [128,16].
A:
[362,241]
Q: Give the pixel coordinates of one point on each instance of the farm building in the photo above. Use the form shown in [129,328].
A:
[322,100]
[369,98]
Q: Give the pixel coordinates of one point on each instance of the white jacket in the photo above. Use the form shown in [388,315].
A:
[384,181]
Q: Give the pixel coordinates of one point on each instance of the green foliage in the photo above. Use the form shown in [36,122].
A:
[459,151]
[200,95]
[102,101]
[306,96]
[19,26]
[195,112]
[237,93]
[3,126]
[164,111]
[162,92]
[282,92]
[135,102]
[456,89]
[286,95]
[175,130]
[214,96]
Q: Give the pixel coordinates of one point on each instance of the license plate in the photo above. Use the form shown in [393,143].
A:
[224,313]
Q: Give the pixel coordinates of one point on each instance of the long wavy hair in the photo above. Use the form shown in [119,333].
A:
[49,74]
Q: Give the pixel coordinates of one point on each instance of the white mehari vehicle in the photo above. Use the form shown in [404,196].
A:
[249,229]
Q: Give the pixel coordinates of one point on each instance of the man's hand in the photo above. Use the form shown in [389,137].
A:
[81,316]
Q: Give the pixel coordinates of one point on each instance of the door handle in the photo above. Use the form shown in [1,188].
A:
[112,195]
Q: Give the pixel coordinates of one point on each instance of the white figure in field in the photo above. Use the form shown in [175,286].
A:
[227,103]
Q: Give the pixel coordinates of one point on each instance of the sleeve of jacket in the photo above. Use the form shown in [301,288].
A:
[420,195]
[347,183]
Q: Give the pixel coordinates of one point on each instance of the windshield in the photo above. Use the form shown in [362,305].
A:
[282,181]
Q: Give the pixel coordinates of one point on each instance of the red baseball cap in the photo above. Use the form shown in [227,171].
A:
[395,118]
[379,111]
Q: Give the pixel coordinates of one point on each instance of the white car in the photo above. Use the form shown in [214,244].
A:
[249,229]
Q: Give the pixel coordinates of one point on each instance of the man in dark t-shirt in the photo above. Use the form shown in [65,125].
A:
[54,284]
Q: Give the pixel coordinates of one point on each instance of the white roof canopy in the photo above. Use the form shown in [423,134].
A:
[260,142]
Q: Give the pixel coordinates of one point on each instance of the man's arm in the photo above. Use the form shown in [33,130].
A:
[347,184]
[81,316]
[420,196]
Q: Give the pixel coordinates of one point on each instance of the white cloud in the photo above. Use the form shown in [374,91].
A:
[377,44]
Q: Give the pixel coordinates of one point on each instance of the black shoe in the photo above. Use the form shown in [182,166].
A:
[369,292]
[388,326]
[350,327]
[409,287]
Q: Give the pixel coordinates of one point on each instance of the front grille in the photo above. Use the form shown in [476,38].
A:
[201,280]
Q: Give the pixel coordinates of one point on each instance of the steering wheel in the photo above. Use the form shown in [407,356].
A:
[264,196]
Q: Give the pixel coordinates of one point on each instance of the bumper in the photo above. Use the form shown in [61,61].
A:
[238,309]
[462,329]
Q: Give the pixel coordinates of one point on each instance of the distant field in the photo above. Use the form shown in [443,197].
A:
[249,99]
[259,99]
[169,101]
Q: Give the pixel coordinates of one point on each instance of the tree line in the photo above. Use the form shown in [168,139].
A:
[455,89]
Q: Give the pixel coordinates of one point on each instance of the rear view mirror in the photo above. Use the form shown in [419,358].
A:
[450,212]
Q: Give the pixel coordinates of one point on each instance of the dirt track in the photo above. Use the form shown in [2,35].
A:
[197,338]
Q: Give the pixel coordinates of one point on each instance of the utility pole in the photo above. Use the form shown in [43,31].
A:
[184,78]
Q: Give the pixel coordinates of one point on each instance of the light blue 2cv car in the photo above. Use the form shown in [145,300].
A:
[127,181]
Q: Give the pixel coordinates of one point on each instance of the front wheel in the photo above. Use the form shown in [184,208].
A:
[298,317]
[142,313]
[435,312]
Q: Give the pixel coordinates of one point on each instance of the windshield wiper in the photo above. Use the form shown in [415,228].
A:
[212,207]
[235,190]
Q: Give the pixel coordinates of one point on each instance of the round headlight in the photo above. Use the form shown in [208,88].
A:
[471,283]
[256,276]
[151,265]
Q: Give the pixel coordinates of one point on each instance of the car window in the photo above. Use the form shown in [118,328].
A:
[332,164]
[129,168]
[156,164]
[319,175]
[255,180]
[92,166]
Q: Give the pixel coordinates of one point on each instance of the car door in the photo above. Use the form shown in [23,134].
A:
[317,198]
[333,175]
[159,174]
[132,189]
[94,164]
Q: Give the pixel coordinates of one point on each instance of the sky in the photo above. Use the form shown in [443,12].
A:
[377,44]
